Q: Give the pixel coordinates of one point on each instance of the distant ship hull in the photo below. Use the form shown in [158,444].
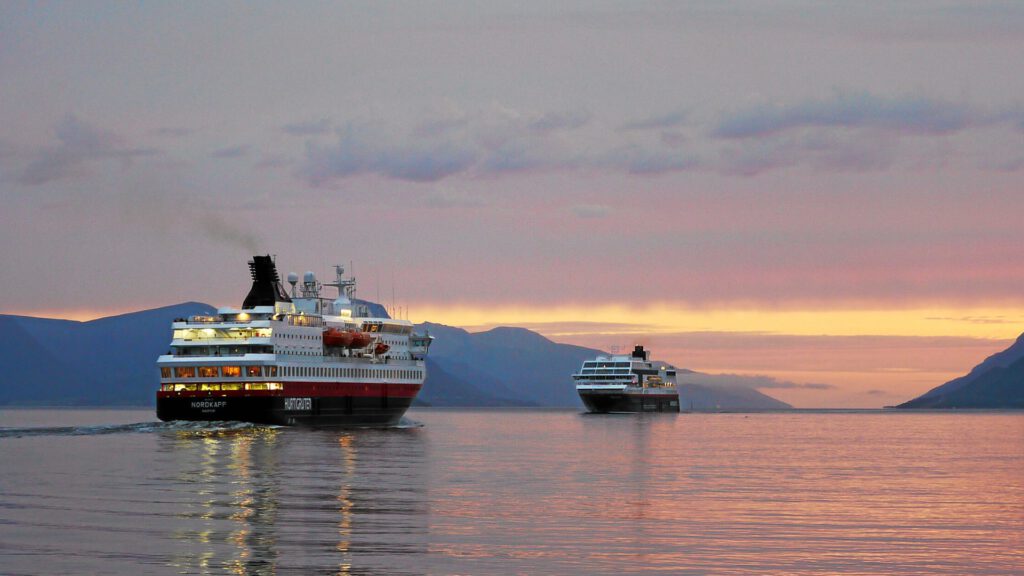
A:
[354,406]
[602,402]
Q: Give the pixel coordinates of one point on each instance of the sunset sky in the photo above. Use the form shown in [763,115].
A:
[825,194]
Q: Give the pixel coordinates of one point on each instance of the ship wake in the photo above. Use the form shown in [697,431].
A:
[199,428]
[136,428]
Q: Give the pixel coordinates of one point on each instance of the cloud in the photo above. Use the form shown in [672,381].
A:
[448,198]
[876,392]
[637,159]
[314,128]
[849,132]
[275,161]
[370,149]
[231,152]
[742,381]
[664,121]
[977,319]
[567,328]
[491,141]
[915,115]
[561,121]
[1012,165]
[829,151]
[78,144]
[173,132]
[591,210]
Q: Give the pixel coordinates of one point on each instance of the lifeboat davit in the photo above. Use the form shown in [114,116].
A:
[381,348]
[360,340]
[336,337]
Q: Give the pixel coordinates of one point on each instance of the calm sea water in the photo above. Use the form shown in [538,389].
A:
[515,492]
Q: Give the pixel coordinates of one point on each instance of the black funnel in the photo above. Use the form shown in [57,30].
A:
[266,284]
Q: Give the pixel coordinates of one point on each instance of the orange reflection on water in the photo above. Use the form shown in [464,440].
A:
[792,493]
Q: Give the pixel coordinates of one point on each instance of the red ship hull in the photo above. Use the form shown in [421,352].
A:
[342,404]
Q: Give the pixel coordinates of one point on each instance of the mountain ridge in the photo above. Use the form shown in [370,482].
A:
[111,361]
[996,382]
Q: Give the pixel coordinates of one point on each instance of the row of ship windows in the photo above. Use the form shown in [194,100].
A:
[387,328]
[221,350]
[218,371]
[272,371]
[215,386]
[327,372]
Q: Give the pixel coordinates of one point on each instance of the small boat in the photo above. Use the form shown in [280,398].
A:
[360,340]
[337,338]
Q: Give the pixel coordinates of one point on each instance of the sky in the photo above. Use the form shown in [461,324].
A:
[827,195]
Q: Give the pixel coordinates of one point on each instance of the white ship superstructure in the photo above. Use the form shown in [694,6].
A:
[292,359]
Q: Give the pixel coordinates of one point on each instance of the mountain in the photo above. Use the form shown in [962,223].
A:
[507,363]
[111,361]
[998,382]
[704,398]
[521,365]
[444,388]
[108,361]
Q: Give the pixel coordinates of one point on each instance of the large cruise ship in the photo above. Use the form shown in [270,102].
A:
[292,359]
[630,383]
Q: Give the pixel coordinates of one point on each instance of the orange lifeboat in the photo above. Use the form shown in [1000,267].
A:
[336,337]
[360,340]
[381,348]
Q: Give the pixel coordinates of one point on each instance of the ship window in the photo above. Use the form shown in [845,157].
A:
[256,386]
[231,386]
[184,387]
[271,370]
[165,372]
[207,386]
[253,371]
[207,371]
[275,386]
[185,372]
[231,371]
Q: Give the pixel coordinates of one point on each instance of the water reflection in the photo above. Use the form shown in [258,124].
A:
[523,492]
[270,500]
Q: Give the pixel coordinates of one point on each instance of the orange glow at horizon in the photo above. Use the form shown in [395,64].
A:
[75,315]
[794,346]
[965,322]
[875,371]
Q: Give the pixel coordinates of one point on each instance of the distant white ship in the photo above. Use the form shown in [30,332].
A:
[630,383]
